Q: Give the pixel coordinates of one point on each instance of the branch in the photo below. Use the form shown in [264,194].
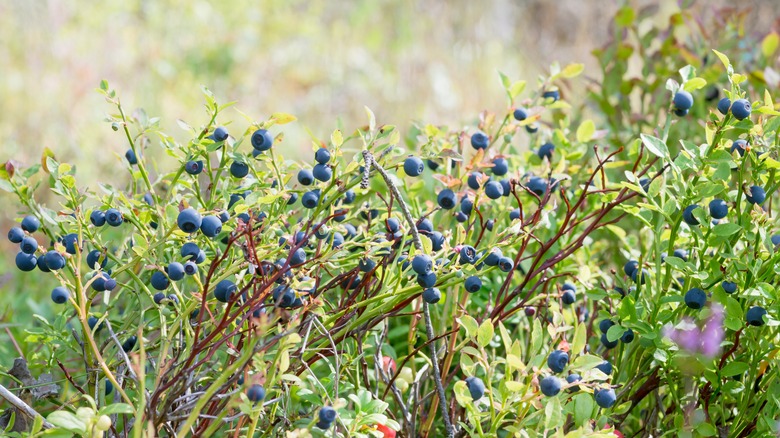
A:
[370,162]
[22,406]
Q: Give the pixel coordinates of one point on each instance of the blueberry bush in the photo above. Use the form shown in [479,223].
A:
[535,273]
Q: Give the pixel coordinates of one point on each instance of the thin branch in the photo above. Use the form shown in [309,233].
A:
[369,163]
[22,406]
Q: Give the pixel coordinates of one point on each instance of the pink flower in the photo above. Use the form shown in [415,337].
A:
[706,340]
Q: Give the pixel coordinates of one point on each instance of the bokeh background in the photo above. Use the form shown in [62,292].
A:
[321,60]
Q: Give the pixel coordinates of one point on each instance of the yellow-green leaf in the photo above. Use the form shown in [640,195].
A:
[723,58]
[485,333]
[282,118]
[469,324]
[585,131]
[694,84]
[770,43]
[572,70]
[336,138]
[517,88]
[579,339]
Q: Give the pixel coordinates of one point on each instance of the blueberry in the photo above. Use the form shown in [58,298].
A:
[551,94]
[630,267]
[680,112]
[476,387]
[99,282]
[293,197]
[41,263]
[338,240]
[224,290]
[392,224]
[431,295]
[298,257]
[537,185]
[148,198]
[688,216]
[729,286]
[557,360]
[322,172]
[60,295]
[740,146]
[366,264]
[546,151]
[466,205]
[473,284]
[210,226]
[468,255]
[494,190]
[683,100]
[194,167]
[489,224]
[311,199]
[757,195]
[16,235]
[413,166]
[473,180]
[189,220]
[568,297]
[605,324]
[351,282]
[639,276]
[98,218]
[506,264]
[569,286]
[514,214]
[550,386]
[255,393]
[724,105]
[327,415]
[645,184]
[506,187]
[190,250]
[605,367]
[741,109]
[529,311]
[220,134]
[695,298]
[425,226]
[131,158]
[158,298]
[571,378]
[262,140]
[175,271]
[323,425]
[29,245]
[114,217]
[500,166]
[239,169]
[129,344]
[91,323]
[681,254]
[160,281]
[109,385]
[432,164]
[532,128]
[322,155]
[349,196]
[479,140]
[493,257]
[605,398]
[718,208]
[446,199]
[190,268]
[607,343]
[422,264]
[54,260]
[755,316]
[520,114]
[628,336]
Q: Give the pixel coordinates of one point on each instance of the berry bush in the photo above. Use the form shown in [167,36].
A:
[536,273]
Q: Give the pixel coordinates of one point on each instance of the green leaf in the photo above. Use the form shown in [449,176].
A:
[655,145]
[585,131]
[469,324]
[726,229]
[583,408]
[586,362]
[723,58]
[117,408]
[553,413]
[580,338]
[615,332]
[67,420]
[769,44]
[694,84]
[336,138]
[104,85]
[572,70]
[485,333]
[516,88]
[734,368]
[706,429]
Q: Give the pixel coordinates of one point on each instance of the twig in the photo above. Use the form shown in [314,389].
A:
[22,406]
[370,162]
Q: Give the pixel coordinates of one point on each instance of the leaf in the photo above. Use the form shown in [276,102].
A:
[516,88]
[371,119]
[572,70]
[553,413]
[47,153]
[694,84]
[485,333]
[769,44]
[117,408]
[505,80]
[67,420]
[723,58]
[283,118]
[734,368]
[580,338]
[585,131]
[655,145]
[586,362]
[583,408]
[726,229]
[469,324]
[104,85]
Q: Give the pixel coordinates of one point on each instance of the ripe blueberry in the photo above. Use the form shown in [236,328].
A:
[239,169]
[520,114]
[605,367]
[506,264]
[175,271]
[756,195]
[740,146]
[639,276]
[718,208]
[605,398]
[29,245]
[479,140]
[568,297]
[98,218]
[426,280]
[322,155]
[473,180]
[473,284]
[298,257]
[190,250]
[605,324]
[130,156]
[224,290]
[422,264]
[160,281]
[189,220]
[468,255]
[431,295]
[322,172]
[15,235]
[311,199]
[413,166]
[493,257]
[729,286]
[628,336]
[54,260]
[607,343]
[129,343]
[683,100]
[551,94]
[500,166]
[557,360]
[724,105]
[546,151]
[220,134]
[190,268]
[494,190]
[550,386]
[60,295]
[446,199]
[262,140]
[537,185]
[210,226]
[476,387]
[158,297]
[755,316]
[194,167]
[695,298]
[630,267]
[571,378]
[30,224]
[327,415]
[741,109]
[114,217]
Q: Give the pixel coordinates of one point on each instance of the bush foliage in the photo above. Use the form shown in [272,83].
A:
[547,274]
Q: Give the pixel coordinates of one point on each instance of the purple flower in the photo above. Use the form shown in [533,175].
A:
[691,338]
